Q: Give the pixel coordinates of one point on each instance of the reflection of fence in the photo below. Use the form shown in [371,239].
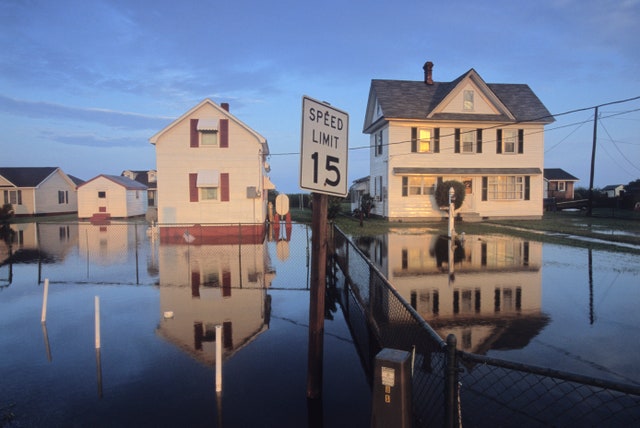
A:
[451,387]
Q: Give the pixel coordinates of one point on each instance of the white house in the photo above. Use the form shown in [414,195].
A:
[489,136]
[613,190]
[38,190]
[109,196]
[212,177]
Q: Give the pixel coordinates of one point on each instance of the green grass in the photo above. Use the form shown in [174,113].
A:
[554,227]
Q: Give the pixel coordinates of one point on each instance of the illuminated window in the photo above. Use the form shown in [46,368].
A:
[416,185]
[506,187]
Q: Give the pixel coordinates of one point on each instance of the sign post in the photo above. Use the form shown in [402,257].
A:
[323,170]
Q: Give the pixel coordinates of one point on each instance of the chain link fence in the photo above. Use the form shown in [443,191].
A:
[455,388]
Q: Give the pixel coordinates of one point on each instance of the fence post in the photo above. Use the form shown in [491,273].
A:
[451,382]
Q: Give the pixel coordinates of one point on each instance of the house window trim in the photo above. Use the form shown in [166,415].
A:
[425,189]
[468,102]
[519,189]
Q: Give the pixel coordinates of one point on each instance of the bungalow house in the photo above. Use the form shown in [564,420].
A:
[149,179]
[357,190]
[558,184]
[613,190]
[108,196]
[489,136]
[38,190]
[212,177]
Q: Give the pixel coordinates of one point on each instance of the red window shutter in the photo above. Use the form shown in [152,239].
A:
[195,284]
[226,284]
[193,188]
[194,141]
[224,187]
[224,133]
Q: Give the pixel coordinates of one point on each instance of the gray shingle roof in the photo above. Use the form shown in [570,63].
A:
[407,99]
[558,174]
[26,176]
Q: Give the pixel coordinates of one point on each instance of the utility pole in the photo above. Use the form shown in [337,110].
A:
[593,161]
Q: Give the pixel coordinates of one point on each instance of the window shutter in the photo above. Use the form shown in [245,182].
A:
[436,140]
[224,133]
[226,283]
[195,284]
[479,140]
[499,141]
[193,187]
[414,140]
[485,188]
[224,187]
[6,196]
[457,141]
[194,133]
[527,188]
[19,197]
[405,186]
[520,140]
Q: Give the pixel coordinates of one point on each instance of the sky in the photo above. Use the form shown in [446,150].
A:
[84,84]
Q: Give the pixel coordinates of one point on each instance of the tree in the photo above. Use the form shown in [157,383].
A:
[6,214]
[442,193]
[366,204]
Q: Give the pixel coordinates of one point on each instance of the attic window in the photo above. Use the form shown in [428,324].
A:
[467,104]
[208,129]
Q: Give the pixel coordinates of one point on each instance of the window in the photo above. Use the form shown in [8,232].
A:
[467,104]
[510,136]
[102,194]
[13,197]
[208,183]
[63,197]
[506,187]
[416,185]
[468,141]
[209,133]
[378,143]
[562,186]
[425,140]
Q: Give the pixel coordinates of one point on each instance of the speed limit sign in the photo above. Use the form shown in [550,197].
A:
[323,148]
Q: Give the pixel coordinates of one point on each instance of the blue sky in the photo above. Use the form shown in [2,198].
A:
[84,84]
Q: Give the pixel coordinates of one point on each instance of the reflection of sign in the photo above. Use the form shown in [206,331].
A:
[388,376]
[282,204]
[323,148]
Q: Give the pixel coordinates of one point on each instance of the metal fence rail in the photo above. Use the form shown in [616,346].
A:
[452,387]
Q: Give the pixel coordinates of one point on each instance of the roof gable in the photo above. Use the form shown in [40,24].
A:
[207,102]
[27,176]
[415,100]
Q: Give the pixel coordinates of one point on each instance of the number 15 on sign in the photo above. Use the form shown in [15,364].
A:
[324,148]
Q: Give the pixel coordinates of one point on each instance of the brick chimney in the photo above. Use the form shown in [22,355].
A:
[428,73]
[225,106]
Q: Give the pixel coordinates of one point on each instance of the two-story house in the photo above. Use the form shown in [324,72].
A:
[489,136]
[212,177]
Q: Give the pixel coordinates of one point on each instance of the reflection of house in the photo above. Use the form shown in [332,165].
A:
[211,169]
[357,189]
[38,191]
[149,179]
[613,190]
[42,242]
[494,299]
[107,196]
[558,184]
[489,136]
[209,285]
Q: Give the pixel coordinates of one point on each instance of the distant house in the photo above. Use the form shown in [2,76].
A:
[212,177]
[38,190]
[489,136]
[357,190]
[558,184]
[149,179]
[613,190]
[111,196]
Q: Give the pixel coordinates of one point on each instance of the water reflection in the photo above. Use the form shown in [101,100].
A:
[487,290]
[202,286]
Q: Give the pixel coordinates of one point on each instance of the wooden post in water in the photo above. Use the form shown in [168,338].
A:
[316,294]
[45,297]
[218,359]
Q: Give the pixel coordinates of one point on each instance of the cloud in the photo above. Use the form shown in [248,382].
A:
[114,119]
[88,140]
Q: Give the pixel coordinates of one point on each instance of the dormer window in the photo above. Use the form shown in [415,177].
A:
[467,104]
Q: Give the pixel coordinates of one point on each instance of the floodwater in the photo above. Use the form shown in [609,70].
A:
[566,308]
[153,370]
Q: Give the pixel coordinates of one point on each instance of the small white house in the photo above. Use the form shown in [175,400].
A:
[108,196]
